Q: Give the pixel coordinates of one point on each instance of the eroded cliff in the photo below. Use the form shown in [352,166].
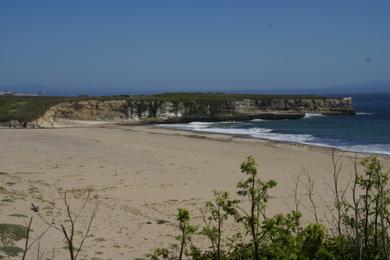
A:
[163,110]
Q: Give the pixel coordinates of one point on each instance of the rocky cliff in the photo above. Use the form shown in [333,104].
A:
[158,110]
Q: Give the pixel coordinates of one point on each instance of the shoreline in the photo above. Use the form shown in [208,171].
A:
[76,124]
[247,136]
[140,175]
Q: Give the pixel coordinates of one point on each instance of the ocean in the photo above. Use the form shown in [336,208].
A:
[368,131]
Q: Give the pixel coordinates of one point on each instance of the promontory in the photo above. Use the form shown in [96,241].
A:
[16,111]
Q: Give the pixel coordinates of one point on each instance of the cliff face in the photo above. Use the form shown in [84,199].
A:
[163,111]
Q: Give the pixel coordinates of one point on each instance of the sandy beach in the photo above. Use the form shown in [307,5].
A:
[138,176]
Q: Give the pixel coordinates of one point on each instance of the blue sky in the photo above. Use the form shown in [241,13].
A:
[205,45]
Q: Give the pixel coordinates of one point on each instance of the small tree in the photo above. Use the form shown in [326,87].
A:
[214,216]
[257,193]
[183,216]
[367,226]
[376,199]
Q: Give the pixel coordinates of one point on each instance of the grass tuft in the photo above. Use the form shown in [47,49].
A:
[11,250]
[13,231]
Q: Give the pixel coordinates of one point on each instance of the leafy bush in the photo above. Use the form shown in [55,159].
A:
[361,226]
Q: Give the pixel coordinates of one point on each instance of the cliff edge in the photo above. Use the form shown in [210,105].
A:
[176,108]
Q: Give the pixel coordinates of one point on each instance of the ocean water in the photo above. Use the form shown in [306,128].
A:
[367,131]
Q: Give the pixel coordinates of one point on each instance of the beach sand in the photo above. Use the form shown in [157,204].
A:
[139,176]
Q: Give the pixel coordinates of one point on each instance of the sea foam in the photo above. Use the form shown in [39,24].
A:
[310,115]
[363,114]
[270,134]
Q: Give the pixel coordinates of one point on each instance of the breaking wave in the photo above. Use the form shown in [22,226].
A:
[271,134]
[310,115]
[363,114]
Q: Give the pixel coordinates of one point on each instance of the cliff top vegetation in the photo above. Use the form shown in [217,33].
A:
[29,108]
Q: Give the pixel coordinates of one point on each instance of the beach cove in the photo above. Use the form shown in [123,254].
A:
[140,175]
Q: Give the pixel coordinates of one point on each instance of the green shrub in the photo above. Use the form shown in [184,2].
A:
[361,225]
[11,250]
[12,231]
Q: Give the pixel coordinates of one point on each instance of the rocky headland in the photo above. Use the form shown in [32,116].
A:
[179,108]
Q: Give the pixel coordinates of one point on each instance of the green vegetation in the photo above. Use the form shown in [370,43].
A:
[359,229]
[25,109]
[12,231]
[9,234]
[183,216]
[7,200]
[214,216]
[11,250]
[210,97]
[257,193]
[29,108]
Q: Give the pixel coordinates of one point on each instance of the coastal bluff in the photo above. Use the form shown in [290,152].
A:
[36,112]
[172,109]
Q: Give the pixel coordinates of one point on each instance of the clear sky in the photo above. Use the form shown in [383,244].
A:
[126,46]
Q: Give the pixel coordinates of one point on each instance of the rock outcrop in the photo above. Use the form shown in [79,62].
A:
[19,124]
[146,111]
